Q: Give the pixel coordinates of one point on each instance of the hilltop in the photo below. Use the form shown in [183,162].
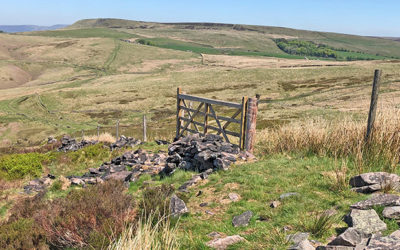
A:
[26,28]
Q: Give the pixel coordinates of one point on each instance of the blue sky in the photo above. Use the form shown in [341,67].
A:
[364,17]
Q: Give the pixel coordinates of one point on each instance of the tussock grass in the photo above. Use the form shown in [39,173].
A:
[146,235]
[341,138]
[103,137]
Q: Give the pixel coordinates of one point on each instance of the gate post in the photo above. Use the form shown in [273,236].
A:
[251,118]
[178,112]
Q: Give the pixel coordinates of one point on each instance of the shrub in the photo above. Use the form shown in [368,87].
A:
[16,166]
[155,201]
[22,234]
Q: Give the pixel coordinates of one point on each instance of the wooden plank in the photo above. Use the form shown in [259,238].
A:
[374,101]
[194,132]
[190,116]
[219,124]
[192,121]
[251,119]
[232,118]
[242,123]
[178,112]
[210,101]
[228,119]
[226,131]
[187,124]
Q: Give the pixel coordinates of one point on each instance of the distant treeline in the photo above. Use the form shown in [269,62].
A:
[305,48]
[308,48]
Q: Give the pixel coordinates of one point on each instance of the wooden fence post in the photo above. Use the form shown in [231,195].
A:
[251,119]
[243,123]
[98,132]
[374,101]
[117,133]
[83,134]
[206,111]
[144,129]
[191,107]
[178,112]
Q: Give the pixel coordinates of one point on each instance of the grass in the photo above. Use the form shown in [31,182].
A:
[84,33]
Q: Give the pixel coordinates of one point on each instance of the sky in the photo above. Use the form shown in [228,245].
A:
[361,17]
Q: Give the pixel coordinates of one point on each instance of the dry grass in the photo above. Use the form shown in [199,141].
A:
[146,236]
[341,138]
[103,137]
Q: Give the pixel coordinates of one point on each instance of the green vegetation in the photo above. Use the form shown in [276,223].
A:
[308,48]
[16,166]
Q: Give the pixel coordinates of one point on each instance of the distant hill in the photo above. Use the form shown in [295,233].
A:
[239,39]
[26,28]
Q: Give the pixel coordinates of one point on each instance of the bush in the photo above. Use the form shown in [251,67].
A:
[16,166]
[155,201]
[88,218]
[22,234]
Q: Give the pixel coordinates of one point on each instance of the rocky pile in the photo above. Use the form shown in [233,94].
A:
[39,184]
[124,141]
[70,144]
[198,153]
[127,167]
[365,225]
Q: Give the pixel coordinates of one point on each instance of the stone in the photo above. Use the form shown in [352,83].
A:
[77,181]
[335,248]
[119,176]
[210,212]
[380,242]
[223,243]
[203,204]
[374,181]
[351,237]
[378,200]
[94,171]
[242,219]
[365,221]
[297,238]
[234,197]
[286,195]
[391,212]
[396,234]
[274,204]
[214,235]
[177,206]
[303,245]
[300,241]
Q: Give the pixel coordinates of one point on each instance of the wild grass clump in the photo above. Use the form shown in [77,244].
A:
[85,218]
[340,138]
[17,166]
[103,137]
[319,223]
[155,202]
[148,235]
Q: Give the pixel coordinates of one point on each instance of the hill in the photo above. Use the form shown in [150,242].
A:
[26,28]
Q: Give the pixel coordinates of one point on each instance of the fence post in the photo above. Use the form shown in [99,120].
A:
[191,107]
[206,111]
[243,123]
[83,134]
[144,129]
[98,132]
[374,101]
[178,112]
[117,127]
[251,119]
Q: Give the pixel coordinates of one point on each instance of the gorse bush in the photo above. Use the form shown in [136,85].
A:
[16,166]
[344,138]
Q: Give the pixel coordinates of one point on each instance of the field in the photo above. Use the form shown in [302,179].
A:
[311,117]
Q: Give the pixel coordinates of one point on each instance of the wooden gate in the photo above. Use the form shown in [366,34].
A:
[244,115]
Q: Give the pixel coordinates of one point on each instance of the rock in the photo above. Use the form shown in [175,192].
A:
[351,237]
[195,179]
[203,204]
[387,242]
[119,176]
[161,142]
[297,238]
[365,221]
[396,234]
[223,243]
[210,212]
[214,235]
[371,182]
[391,212]
[378,200]
[274,204]
[303,245]
[300,241]
[336,248]
[70,144]
[94,171]
[51,140]
[234,197]
[286,195]
[242,219]
[77,181]
[177,206]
